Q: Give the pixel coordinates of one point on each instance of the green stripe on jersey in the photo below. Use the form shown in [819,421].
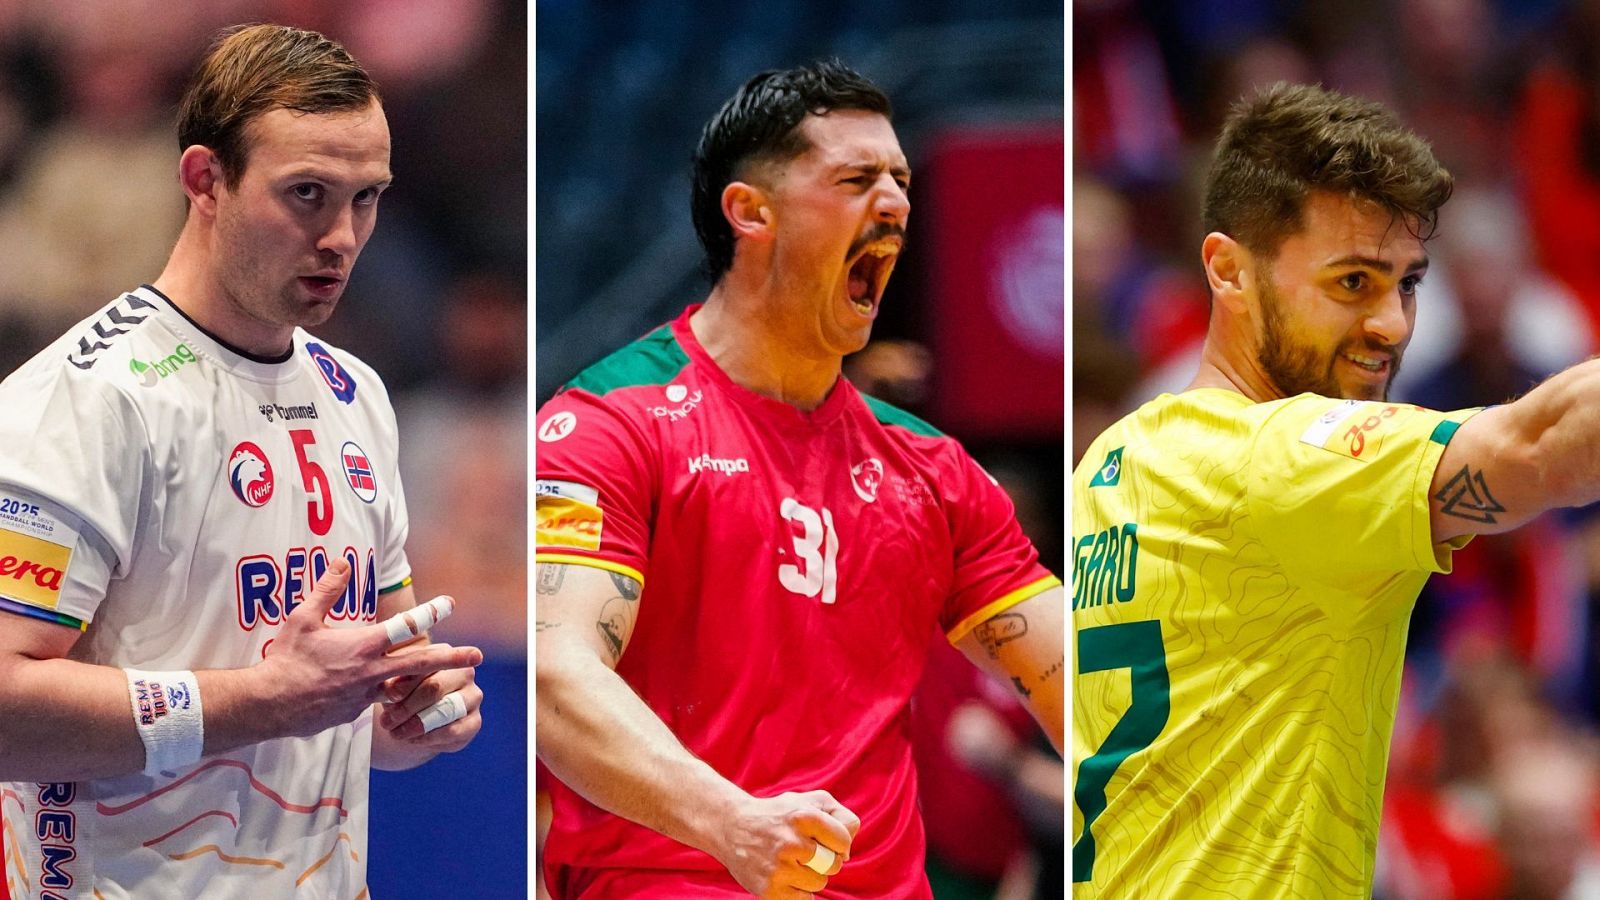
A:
[1443,432]
[655,358]
[890,415]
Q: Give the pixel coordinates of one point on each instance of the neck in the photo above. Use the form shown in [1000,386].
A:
[744,330]
[190,281]
[1225,363]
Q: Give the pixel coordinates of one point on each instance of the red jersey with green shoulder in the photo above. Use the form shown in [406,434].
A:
[794,565]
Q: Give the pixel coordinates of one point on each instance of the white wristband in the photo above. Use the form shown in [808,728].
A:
[449,708]
[166,711]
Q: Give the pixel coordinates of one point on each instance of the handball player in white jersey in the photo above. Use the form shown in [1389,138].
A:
[202,526]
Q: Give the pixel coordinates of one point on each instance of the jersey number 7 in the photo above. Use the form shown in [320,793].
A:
[1137,647]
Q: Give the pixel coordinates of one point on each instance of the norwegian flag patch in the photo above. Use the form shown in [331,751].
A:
[358,471]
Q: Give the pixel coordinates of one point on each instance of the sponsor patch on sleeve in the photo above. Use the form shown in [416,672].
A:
[1355,428]
[35,549]
[568,514]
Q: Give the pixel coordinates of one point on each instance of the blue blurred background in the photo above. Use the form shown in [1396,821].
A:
[90,206]
[970,331]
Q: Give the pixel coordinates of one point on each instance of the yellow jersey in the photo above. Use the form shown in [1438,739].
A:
[1242,581]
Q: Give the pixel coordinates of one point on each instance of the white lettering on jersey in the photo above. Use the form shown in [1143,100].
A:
[705,462]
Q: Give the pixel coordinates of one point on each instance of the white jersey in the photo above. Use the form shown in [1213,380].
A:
[174,499]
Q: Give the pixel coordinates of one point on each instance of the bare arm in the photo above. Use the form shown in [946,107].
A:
[63,720]
[398,741]
[1510,463]
[597,736]
[1026,645]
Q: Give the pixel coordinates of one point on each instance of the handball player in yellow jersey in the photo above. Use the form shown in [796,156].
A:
[1247,553]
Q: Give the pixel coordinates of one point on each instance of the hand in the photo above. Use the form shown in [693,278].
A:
[326,676]
[411,694]
[771,839]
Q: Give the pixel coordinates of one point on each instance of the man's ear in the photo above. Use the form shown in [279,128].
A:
[1228,266]
[749,211]
[200,174]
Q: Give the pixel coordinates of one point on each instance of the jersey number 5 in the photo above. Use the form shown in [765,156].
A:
[319,511]
[1137,647]
[816,550]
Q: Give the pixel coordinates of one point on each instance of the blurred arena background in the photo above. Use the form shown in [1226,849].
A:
[90,206]
[970,334]
[1492,783]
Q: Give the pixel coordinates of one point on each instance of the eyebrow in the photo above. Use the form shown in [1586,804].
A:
[1372,262]
[875,167]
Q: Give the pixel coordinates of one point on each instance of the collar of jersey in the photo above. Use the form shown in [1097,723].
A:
[837,401]
[248,365]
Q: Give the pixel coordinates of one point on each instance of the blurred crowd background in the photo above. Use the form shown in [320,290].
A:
[969,336]
[1493,779]
[90,207]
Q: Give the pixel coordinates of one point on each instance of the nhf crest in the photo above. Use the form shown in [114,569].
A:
[250,475]
[358,471]
[339,380]
[865,477]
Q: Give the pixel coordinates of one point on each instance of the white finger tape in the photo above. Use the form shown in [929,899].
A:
[822,860]
[449,708]
[414,622]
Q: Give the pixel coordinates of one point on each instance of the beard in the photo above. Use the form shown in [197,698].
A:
[1296,368]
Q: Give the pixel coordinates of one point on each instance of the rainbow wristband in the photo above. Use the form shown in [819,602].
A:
[167,714]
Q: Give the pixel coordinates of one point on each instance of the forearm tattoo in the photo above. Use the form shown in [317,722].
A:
[1466,496]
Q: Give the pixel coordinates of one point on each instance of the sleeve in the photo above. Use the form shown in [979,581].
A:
[73,465]
[1338,489]
[394,568]
[595,486]
[996,566]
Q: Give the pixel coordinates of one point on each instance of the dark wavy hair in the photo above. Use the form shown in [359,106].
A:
[254,69]
[761,123]
[1292,139]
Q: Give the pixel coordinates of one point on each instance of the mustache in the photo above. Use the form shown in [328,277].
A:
[877,233]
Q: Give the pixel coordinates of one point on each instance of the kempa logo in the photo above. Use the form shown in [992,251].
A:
[151,372]
[705,462]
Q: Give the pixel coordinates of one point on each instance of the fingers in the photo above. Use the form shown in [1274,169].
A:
[848,819]
[408,625]
[822,825]
[411,718]
[323,594]
[430,659]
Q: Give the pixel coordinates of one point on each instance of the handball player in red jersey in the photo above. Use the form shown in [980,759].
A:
[741,559]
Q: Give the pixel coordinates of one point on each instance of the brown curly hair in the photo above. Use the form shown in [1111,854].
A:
[1292,139]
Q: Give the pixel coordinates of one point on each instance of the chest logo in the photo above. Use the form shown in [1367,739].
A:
[558,426]
[865,477]
[338,379]
[358,472]
[1110,471]
[679,403]
[250,475]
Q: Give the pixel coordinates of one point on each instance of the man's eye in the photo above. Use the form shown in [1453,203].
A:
[1354,282]
[367,197]
[1409,284]
[310,192]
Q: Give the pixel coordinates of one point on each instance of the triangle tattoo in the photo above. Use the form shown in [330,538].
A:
[1467,496]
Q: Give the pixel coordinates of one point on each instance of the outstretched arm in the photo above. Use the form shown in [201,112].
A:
[1026,645]
[603,741]
[1510,463]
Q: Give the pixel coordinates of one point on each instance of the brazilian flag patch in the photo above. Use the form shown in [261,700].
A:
[1110,470]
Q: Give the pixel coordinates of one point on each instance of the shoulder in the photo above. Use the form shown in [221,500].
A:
[110,357]
[654,359]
